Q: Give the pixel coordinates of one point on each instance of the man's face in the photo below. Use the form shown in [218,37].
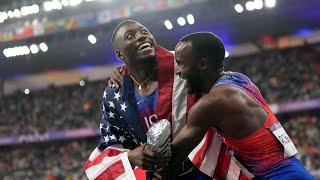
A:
[135,42]
[188,66]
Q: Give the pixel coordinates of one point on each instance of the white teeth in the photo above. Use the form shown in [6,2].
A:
[144,45]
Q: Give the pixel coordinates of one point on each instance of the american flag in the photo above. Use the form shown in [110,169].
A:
[121,130]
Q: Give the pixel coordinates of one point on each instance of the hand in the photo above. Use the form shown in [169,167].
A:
[116,77]
[143,157]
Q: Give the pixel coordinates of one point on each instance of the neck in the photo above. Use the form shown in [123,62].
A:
[144,71]
[208,81]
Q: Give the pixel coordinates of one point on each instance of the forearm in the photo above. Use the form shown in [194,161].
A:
[186,140]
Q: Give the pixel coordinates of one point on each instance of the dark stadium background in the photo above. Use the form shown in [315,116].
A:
[51,93]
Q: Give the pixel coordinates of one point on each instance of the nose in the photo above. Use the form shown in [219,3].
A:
[141,36]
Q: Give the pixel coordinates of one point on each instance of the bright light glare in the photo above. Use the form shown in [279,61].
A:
[190,19]
[181,21]
[270,3]
[226,54]
[43,46]
[92,39]
[168,24]
[34,49]
[258,4]
[238,8]
[250,5]
[27,91]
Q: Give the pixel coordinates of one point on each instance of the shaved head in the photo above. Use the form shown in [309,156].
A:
[114,34]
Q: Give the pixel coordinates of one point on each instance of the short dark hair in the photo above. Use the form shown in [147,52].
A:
[117,29]
[206,44]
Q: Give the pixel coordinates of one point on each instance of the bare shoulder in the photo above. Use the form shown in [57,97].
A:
[221,95]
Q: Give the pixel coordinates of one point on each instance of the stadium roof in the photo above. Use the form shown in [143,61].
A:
[69,50]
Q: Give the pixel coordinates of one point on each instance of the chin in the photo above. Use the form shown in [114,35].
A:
[147,56]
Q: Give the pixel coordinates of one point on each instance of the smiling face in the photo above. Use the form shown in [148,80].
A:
[133,43]
[189,67]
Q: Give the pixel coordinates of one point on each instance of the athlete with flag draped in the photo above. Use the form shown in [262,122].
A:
[150,92]
[234,106]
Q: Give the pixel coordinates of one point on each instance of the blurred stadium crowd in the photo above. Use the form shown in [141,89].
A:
[282,75]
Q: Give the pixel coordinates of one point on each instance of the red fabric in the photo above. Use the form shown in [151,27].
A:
[259,160]
[112,172]
[165,83]
[224,159]
[201,153]
[243,176]
[140,174]
[106,153]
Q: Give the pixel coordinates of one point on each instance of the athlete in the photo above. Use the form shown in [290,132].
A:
[234,106]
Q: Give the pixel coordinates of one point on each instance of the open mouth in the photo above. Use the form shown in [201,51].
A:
[143,46]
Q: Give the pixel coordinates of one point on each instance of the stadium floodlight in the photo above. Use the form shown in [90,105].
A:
[238,8]
[34,49]
[89,0]
[74,2]
[26,10]
[51,5]
[181,21]
[168,24]
[47,6]
[258,4]
[35,8]
[65,3]
[226,54]
[82,82]
[190,19]
[250,5]
[10,14]
[16,13]
[25,50]
[92,39]
[27,91]
[3,16]
[6,53]
[270,3]
[43,46]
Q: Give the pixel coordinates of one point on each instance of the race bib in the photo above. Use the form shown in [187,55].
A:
[278,131]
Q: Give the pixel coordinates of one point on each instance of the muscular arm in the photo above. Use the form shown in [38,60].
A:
[227,108]
[192,133]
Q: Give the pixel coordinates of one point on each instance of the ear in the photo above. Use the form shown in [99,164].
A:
[204,63]
[119,55]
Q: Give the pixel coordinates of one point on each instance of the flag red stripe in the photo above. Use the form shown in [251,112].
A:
[112,172]
[200,155]
[224,159]
[109,152]
[165,83]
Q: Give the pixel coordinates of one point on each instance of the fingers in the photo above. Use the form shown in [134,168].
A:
[115,78]
[110,83]
[117,73]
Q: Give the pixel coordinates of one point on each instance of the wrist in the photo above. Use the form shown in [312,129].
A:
[130,158]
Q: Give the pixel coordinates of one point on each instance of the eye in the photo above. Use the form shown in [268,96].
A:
[129,36]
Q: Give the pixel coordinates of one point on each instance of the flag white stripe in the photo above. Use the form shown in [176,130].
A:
[95,153]
[94,171]
[197,148]
[127,167]
[233,170]
[179,103]
[210,161]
